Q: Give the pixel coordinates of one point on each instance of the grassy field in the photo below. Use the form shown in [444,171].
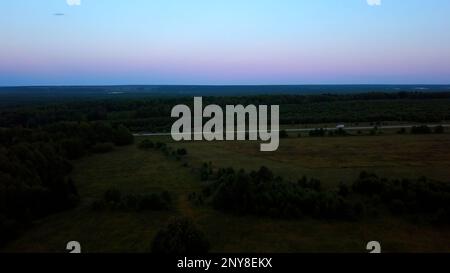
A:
[330,159]
[334,159]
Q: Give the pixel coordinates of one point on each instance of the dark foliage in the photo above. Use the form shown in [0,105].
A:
[122,136]
[153,113]
[406,196]
[181,236]
[35,168]
[262,193]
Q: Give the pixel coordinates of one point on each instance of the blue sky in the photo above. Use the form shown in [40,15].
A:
[224,42]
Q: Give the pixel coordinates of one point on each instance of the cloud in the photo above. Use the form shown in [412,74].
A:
[374,2]
[73,2]
[58,14]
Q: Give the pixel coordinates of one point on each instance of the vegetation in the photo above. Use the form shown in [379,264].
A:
[181,236]
[153,113]
[263,194]
[120,200]
[35,168]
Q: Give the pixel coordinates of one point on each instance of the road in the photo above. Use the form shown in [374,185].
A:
[327,128]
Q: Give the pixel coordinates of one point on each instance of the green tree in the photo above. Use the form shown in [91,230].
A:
[181,236]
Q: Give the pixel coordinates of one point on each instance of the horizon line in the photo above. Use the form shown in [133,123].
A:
[224,85]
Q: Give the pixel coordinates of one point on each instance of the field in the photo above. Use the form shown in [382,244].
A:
[331,159]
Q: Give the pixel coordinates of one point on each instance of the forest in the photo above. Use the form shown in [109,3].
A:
[152,114]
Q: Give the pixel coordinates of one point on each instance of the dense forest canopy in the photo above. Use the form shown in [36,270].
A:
[151,113]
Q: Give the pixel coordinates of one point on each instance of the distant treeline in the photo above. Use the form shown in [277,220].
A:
[153,113]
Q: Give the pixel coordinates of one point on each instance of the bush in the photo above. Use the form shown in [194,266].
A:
[123,136]
[182,152]
[368,184]
[181,236]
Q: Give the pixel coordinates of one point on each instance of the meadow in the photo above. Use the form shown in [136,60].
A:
[330,159]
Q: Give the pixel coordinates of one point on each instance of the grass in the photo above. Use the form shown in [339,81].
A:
[334,159]
[330,159]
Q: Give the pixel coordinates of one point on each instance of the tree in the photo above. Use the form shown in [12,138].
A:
[123,136]
[73,148]
[181,236]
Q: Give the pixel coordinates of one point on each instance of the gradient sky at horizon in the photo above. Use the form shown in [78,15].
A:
[48,42]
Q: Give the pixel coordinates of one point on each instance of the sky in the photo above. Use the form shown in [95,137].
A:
[221,42]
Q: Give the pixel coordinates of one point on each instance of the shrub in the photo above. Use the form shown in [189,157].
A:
[123,136]
[73,148]
[368,184]
[180,236]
